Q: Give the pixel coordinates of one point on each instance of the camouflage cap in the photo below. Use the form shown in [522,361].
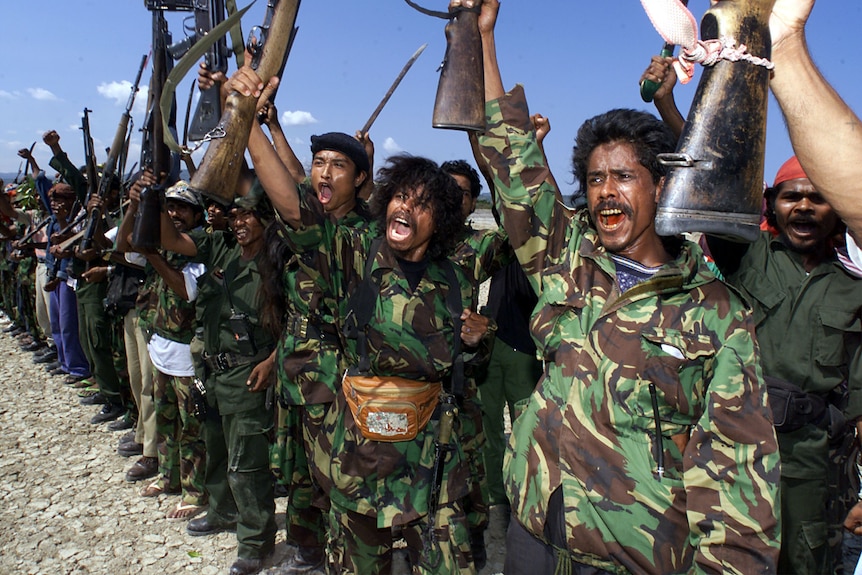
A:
[182,193]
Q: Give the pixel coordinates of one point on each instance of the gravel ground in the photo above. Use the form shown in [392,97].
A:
[64,505]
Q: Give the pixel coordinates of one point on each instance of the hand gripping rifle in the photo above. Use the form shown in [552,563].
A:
[460,102]
[110,168]
[218,173]
[155,155]
[442,446]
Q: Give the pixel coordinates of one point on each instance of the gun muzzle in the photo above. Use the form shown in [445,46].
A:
[715,181]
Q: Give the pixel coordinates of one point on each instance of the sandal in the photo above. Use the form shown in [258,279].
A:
[155,489]
[185,511]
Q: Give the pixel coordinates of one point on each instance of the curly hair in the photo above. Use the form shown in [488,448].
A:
[648,135]
[462,168]
[434,188]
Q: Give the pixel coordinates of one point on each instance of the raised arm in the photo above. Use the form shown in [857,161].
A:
[826,134]
[269,113]
[660,71]
[276,179]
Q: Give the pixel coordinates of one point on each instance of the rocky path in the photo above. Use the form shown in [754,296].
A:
[65,507]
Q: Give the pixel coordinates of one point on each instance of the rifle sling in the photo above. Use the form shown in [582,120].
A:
[186,63]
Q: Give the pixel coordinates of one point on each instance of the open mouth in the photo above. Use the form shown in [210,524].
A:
[324,194]
[611,218]
[399,228]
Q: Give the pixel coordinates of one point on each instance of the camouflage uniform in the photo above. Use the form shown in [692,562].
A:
[239,423]
[182,451]
[680,341]
[375,486]
[808,328]
[309,367]
[475,243]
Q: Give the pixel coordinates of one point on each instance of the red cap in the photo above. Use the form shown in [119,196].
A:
[790,170]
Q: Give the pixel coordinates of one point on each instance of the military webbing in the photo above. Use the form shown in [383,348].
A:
[361,305]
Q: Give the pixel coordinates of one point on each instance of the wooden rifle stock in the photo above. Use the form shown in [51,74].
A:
[715,181]
[460,102]
[217,175]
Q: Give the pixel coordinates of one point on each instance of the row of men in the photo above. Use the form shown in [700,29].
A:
[648,445]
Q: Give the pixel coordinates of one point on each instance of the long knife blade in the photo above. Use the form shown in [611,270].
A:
[392,88]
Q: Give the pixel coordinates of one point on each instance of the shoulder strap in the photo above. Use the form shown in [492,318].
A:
[361,305]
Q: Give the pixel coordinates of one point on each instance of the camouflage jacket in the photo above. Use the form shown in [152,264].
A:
[410,335]
[174,316]
[820,311]
[308,354]
[590,428]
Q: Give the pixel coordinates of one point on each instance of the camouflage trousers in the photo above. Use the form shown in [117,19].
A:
[368,550]
[473,444]
[182,452]
[307,504]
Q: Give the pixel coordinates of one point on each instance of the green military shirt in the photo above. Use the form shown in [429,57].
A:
[227,273]
[591,428]
[411,335]
[174,316]
[809,330]
[308,355]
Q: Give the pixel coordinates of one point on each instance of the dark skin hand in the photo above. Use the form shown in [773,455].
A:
[261,375]
[95,275]
[473,328]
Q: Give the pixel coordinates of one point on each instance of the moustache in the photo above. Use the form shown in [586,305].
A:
[614,205]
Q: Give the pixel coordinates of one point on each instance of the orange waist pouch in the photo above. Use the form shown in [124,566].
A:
[390,408]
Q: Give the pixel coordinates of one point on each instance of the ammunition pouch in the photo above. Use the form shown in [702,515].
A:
[303,327]
[793,409]
[390,408]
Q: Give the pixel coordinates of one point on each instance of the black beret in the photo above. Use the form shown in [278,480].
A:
[341,142]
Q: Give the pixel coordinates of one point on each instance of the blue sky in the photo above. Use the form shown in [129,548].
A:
[576,58]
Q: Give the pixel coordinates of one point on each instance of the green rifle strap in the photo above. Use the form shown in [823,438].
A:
[186,63]
[237,41]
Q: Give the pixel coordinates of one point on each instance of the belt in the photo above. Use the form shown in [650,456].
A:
[306,328]
[224,361]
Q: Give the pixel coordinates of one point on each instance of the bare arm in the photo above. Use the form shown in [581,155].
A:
[278,182]
[826,134]
[280,143]
[173,277]
[660,71]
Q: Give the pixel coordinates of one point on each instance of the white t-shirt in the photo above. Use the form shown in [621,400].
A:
[172,357]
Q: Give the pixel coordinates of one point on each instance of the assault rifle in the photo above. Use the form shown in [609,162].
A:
[155,155]
[110,167]
[208,14]
[89,154]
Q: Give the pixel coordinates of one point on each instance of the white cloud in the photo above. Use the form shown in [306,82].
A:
[298,118]
[41,94]
[119,92]
[391,146]
[10,95]
[116,91]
